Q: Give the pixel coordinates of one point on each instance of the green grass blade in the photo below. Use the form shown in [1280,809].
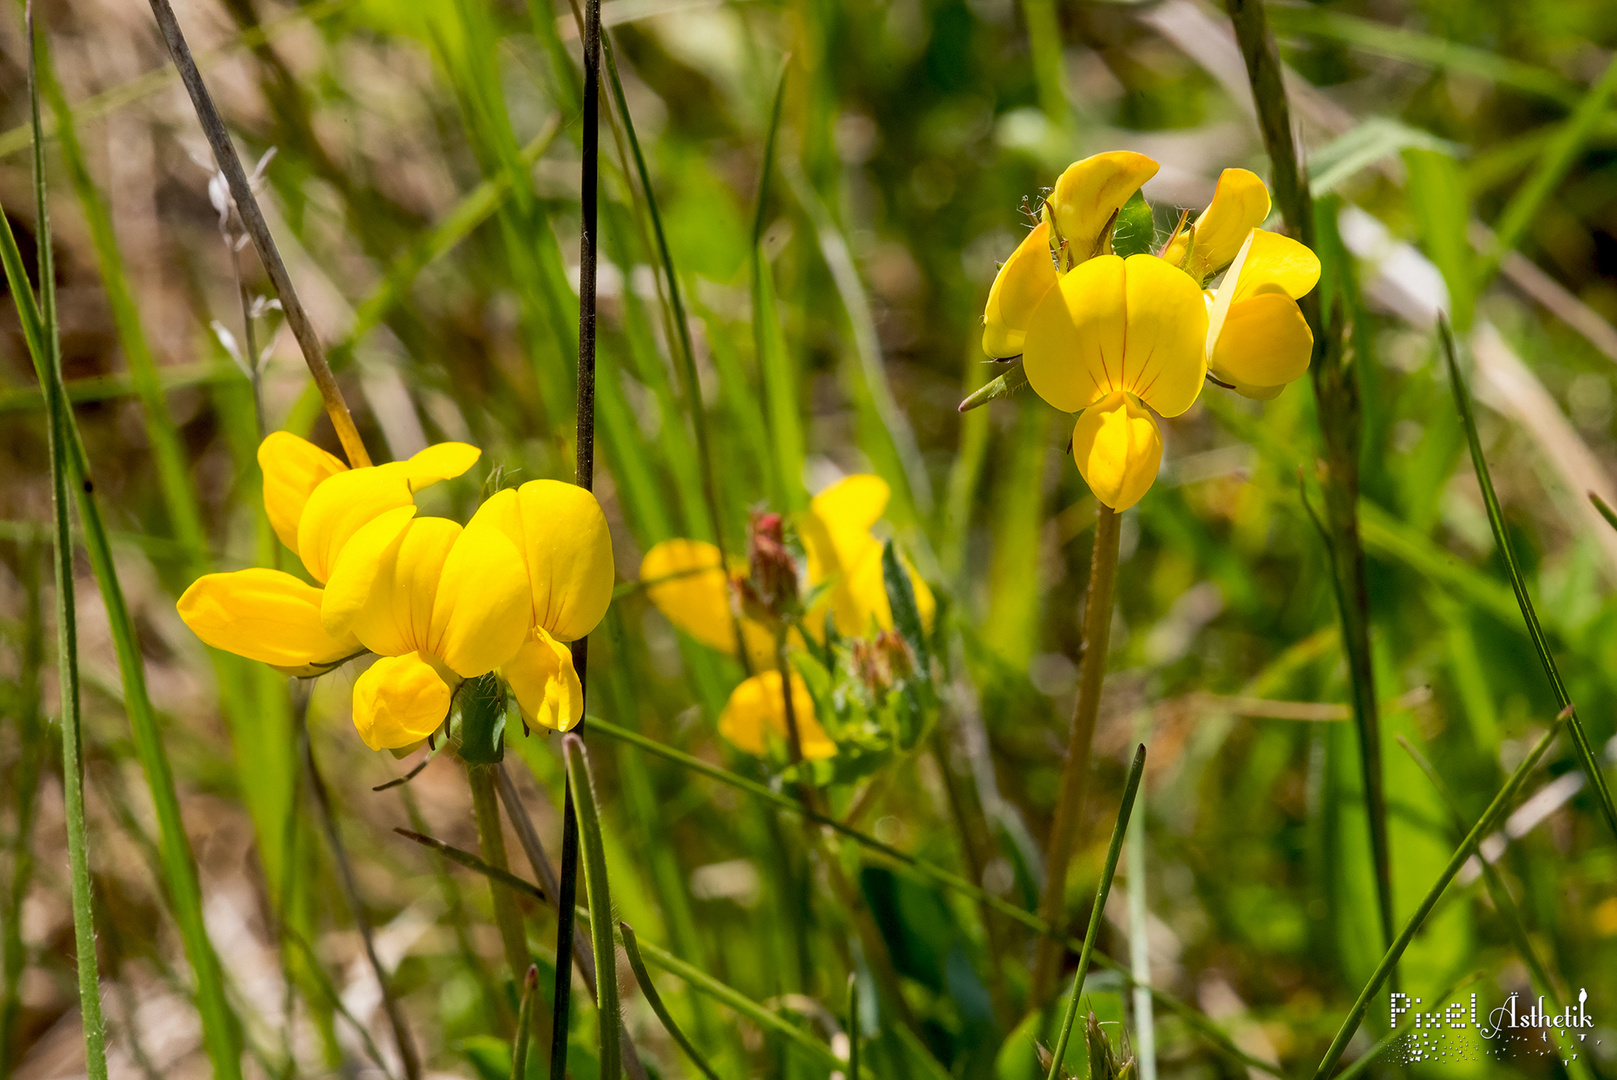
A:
[609,1011]
[934,874]
[519,1048]
[1404,43]
[474,862]
[853,1027]
[654,999]
[47,356]
[1496,519]
[1113,850]
[1605,511]
[777,377]
[1484,823]
[1366,1059]
[1557,160]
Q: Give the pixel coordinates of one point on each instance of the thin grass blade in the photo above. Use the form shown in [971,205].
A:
[608,1008]
[519,1048]
[1496,519]
[636,962]
[1113,850]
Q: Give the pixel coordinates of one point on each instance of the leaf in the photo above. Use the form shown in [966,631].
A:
[1440,204]
[1135,231]
[1361,147]
[1012,379]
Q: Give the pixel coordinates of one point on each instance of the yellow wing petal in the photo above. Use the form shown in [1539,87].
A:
[546,686]
[1240,204]
[1264,342]
[565,543]
[1018,287]
[1165,360]
[353,577]
[758,705]
[1073,354]
[481,613]
[396,617]
[399,701]
[264,615]
[292,469]
[1090,191]
[1118,449]
[441,461]
[339,508]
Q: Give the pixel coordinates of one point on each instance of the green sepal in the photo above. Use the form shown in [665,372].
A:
[482,721]
[1135,231]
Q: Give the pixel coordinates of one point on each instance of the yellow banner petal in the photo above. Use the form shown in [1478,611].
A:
[1018,287]
[399,701]
[441,461]
[481,613]
[264,615]
[1240,204]
[563,538]
[1118,448]
[1090,191]
[758,705]
[547,688]
[396,616]
[292,469]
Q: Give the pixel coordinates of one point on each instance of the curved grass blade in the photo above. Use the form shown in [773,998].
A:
[45,344]
[1467,846]
[474,862]
[1496,519]
[853,1027]
[608,1009]
[1365,1059]
[655,1000]
[1192,1017]
[519,1049]
[1113,850]
[776,375]
[1605,511]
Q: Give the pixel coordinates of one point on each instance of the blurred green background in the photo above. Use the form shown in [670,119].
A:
[424,190]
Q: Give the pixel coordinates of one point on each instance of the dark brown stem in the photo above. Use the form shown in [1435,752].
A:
[224,153]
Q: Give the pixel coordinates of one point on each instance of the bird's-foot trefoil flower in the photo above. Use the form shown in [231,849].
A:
[315,504]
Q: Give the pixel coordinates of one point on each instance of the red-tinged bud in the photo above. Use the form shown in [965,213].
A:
[771,571]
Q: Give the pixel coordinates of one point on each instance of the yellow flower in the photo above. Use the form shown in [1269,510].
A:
[1240,204]
[439,602]
[1257,338]
[1019,286]
[315,503]
[758,706]
[684,581]
[566,555]
[843,554]
[1113,336]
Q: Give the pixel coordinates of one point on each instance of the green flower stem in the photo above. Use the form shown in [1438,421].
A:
[1075,773]
[1096,913]
[519,1049]
[489,837]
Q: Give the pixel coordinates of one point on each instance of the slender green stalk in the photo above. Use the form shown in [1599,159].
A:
[1145,1033]
[638,964]
[584,475]
[853,1027]
[1075,771]
[1401,942]
[1496,519]
[519,1048]
[609,1011]
[500,874]
[67,646]
[1337,398]
[776,378]
[1049,63]
[1367,1058]
[489,837]
[333,997]
[1097,913]
[1552,168]
[937,875]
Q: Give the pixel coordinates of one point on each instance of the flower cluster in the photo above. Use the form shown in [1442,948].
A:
[759,598]
[1118,339]
[436,602]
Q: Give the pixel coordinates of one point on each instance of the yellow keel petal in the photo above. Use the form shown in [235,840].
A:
[399,701]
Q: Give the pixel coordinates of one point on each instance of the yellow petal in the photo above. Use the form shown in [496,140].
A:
[684,581]
[441,461]
[758,705]
[399,701]
[1269,262]
[396,615]
[1090,192]
[1240,204]
[858,601]
[546,686]
[481,613]
[836,529]
[340,507]
[1113,324]
[348,589]
[562,535]
[292,468]
[1264,343]
[1021,283]
[1118,449]
[264,615]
